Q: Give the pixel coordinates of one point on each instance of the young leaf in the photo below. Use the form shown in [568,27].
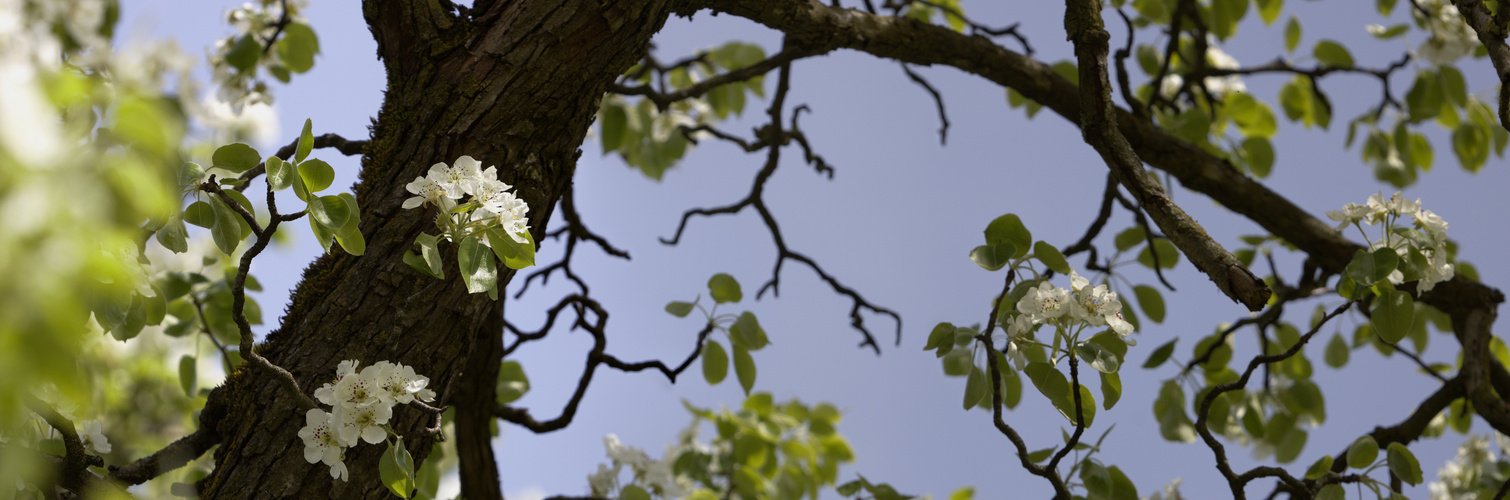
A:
[476,264]
[188,376]
[174,236]
[1051,257]
[316,175]
[1332,53]
[1160,354]
[1009,228]
[679,309]
[306,142]
[512,382]
[396,469]
[1403,463]
[746,331]
[1098,357]
[715,362]
[280,174]
[1111,389]
[1320,468]
[322,235]
[1362,453]
[514,254]
[227,229]
[1394,312]
[993,257]
[1337,351]
[976,387]
[330,211]
[297,49]
[724,289]
[236,157]
[1151,301]
[744,368]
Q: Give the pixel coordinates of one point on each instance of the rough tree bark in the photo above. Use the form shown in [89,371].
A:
[515,86]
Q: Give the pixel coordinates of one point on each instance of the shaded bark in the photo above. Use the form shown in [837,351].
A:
[515,86]
[475,397]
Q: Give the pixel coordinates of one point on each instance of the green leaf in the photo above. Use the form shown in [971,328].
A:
[1050,257]
[679,309]
[1320,468]
[1337,351]
[427,261]
[476,264]
[515,255]
[1332,491]
[512,382]
[1424,99]
[993,257]
[1122,487]
[1471,145]
[1393,313]
[1009,228]
[1292,34]
[316,175]
[744,368]
[1332,53]
[958,363]
[1160,354]
[1453,85]
[1362,453]
[1098,357]
[1403,464]
[1151,302]
[1052,384]
[614,121]
[1368,268]
[976,387]
[715,362]
[188,377]
[1269,9]
[942,337]
[1385,6]
[227,229]
[1260,156]
[174,236]
[396,469]
[724,289]
[1253,117]
[1111,389]
[1098,483]
[1168,255]
[298,47]
[1041,455]
[747,332]
[306,142]
[244,53]
[236,157]
[632,492]
[1129,238]
[280,174]
[330,211]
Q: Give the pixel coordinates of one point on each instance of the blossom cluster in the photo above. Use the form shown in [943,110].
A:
[362,402]
[1219,86]
[1451,38]
[1069,310]
[655,476]
[1432,244]
[491,203]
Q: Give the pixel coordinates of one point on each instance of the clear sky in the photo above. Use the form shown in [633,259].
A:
[896,224]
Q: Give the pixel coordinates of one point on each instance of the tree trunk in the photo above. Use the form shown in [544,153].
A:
[516,85]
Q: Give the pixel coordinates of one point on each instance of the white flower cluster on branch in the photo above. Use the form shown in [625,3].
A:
[1429,239]
[1068,310]
[491,204]
[654,476]
[362,403]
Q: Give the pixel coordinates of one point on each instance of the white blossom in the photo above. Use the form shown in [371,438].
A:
[321,444]
[1451,38]
[365,423]
[1351,213]
[1045,302]
[93,436]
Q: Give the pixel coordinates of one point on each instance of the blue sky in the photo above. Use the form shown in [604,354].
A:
[895,224]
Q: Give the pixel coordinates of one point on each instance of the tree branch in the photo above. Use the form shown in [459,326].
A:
[1099,126]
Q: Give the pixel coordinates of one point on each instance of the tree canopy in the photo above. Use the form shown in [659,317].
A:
[1241,152]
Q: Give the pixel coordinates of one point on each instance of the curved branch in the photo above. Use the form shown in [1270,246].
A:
[346,147]
[1099,126]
